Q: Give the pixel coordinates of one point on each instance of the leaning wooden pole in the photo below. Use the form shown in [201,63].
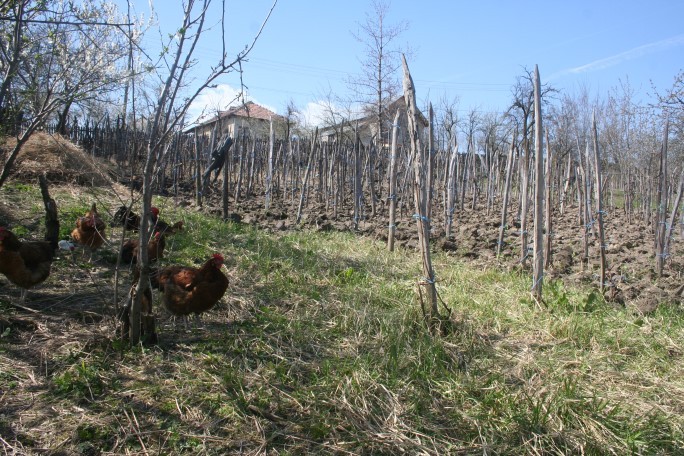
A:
[451,183]
[393,183]
[662,201]
[269,176]
[599,204]
[506,196]
[673,217]
[358,170]
[421,197]
[431,160]
[307,172]
[538,271]
[547,204]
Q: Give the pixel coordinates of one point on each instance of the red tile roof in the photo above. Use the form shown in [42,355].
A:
[249,109]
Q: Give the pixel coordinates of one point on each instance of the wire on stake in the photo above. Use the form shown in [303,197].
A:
[537,282]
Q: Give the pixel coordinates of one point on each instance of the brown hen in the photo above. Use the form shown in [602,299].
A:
[155,249]
[90,230]
[189,290]
[162,226]
[24,263]
[126,218]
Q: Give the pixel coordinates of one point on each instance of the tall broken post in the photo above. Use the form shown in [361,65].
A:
[269,176]
[307,173]
[421,197]
[538,272]
[599,205]
[506,195]
[393,184]
[661,215]
[547,204]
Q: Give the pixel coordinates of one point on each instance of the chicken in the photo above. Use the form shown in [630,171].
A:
[90,230]
[155,248]
[190,290]
[126,218]
[160,225]
[24,263]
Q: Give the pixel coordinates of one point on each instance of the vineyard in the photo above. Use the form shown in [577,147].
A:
[399,276]
[477,200]
[318,338]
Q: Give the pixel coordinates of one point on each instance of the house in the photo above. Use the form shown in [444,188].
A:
[367,126]
[248,118]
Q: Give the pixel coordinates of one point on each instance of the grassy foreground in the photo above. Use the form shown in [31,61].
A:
[318,348]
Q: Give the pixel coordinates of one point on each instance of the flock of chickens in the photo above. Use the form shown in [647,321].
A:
[186,290]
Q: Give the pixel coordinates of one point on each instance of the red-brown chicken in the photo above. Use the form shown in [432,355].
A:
[189,290]
[24,263]
[126,218]
[155,249]
[161,225]
[90,230]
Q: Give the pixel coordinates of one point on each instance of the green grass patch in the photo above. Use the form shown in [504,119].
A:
[320,348]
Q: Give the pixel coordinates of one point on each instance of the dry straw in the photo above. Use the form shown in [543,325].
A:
[55,157]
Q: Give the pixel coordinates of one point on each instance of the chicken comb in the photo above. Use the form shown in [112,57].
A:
[218,257]
[155,211]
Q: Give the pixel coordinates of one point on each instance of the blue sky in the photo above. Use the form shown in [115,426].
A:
[473,50]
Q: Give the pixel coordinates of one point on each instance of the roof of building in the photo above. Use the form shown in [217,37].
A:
[399,103]
[249,109]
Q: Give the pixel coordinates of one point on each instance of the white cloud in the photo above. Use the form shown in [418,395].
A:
[220,98]
[314,114]
[320,113]
[617,59]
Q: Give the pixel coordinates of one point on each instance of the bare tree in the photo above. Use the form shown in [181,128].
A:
[379,84]
[169,112]
[40,77]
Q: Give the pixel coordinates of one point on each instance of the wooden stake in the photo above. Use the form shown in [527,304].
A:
[507,189]
[421,197]
[538,273]
[662,202]
[393,183]
[599,205]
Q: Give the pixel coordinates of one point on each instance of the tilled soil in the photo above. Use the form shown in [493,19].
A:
[631,278]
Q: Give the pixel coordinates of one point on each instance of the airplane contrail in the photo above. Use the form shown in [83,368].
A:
[630,54]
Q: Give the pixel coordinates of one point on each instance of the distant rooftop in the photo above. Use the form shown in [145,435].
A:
[249,109]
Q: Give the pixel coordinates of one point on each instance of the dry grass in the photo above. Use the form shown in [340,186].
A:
[318,349]
[58,159]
